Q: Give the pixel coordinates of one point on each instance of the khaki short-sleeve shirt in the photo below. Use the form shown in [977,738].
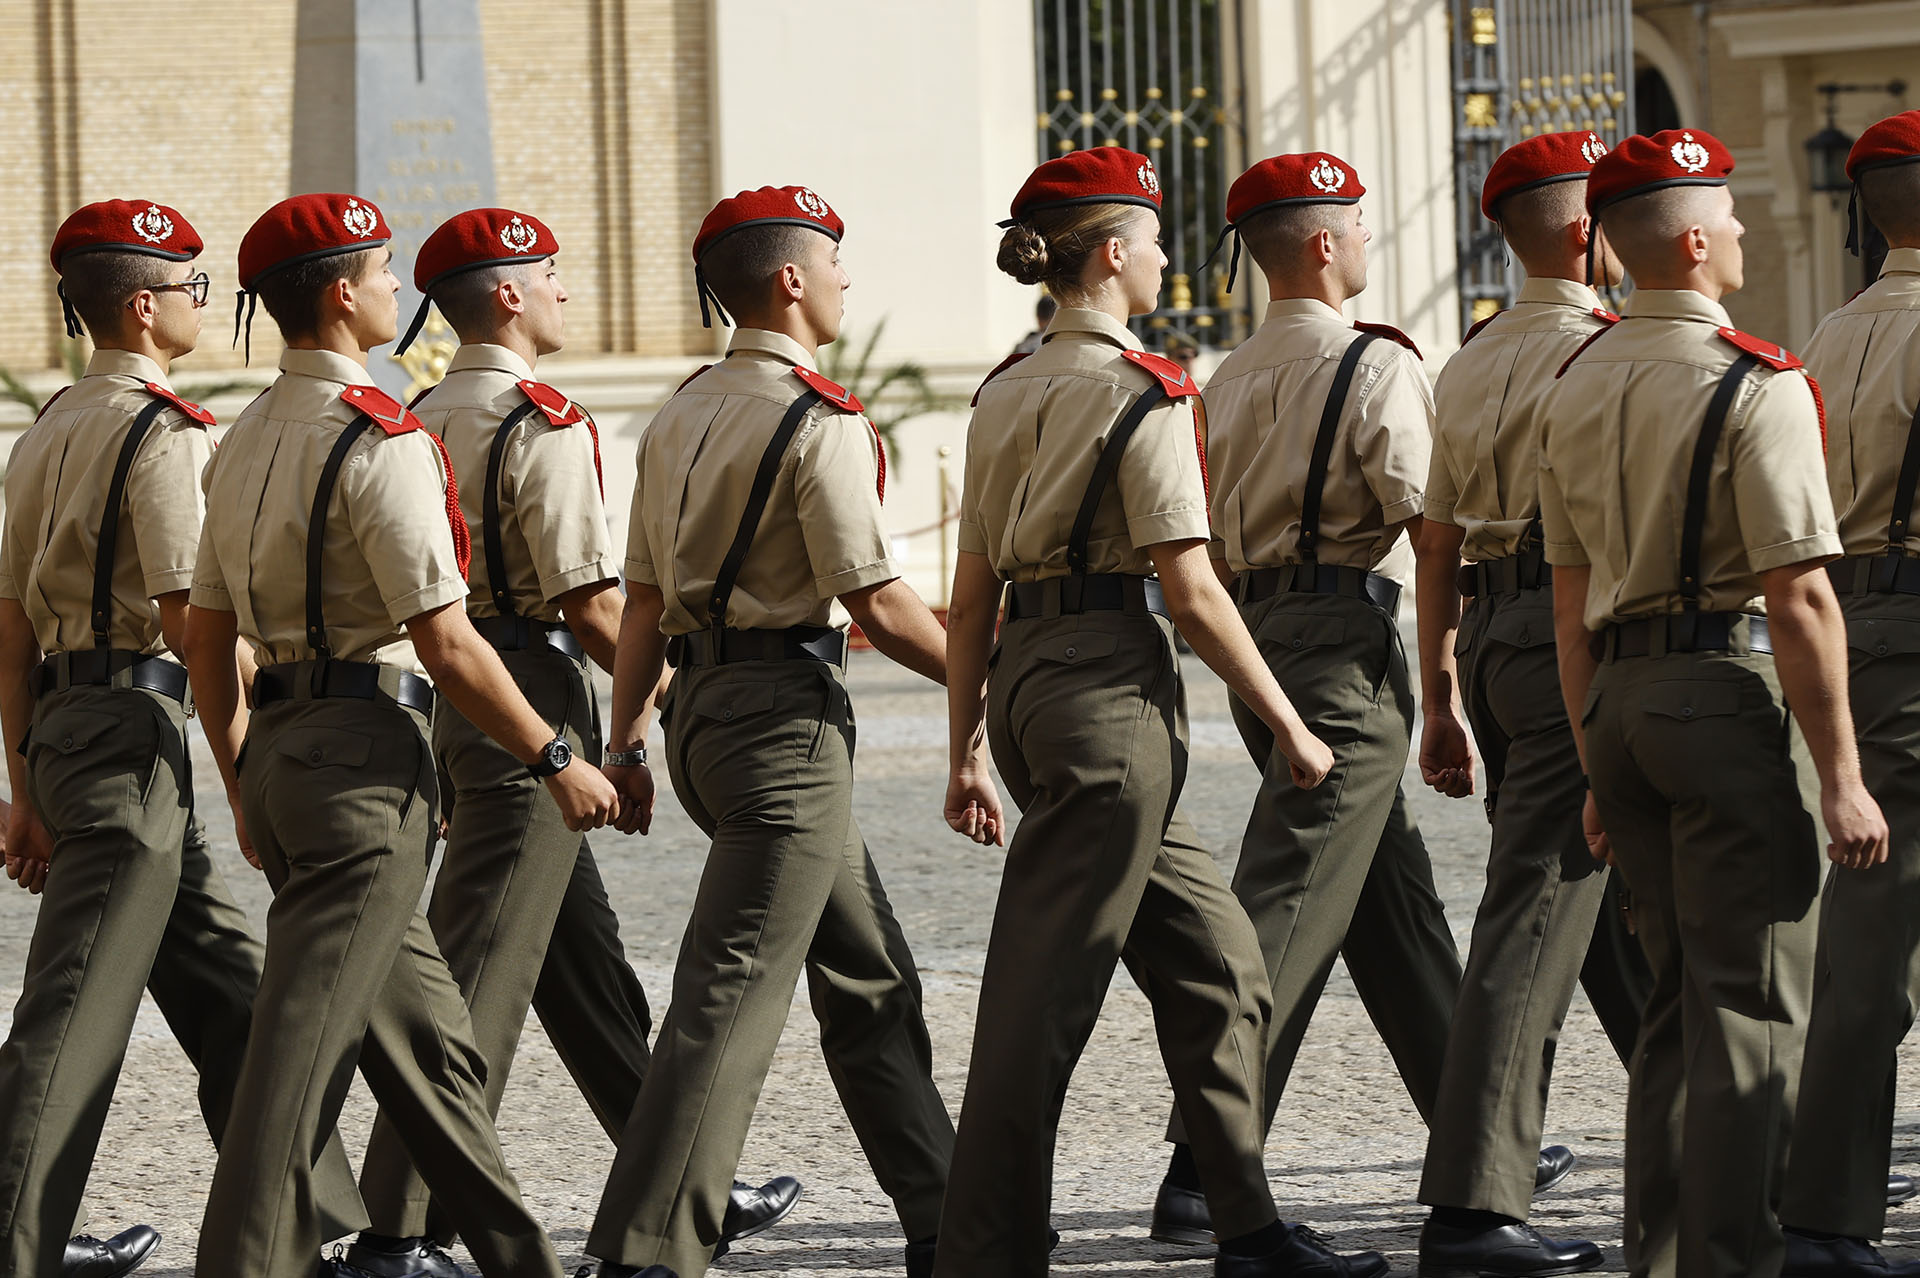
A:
[388,554]
[57,482]
[1263,412]
[1487,401]
[553,520]
[1617,446]
[1866,357]
[822,534]
[1037,432]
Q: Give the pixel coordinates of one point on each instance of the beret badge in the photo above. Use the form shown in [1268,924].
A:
[1149,180]
[810,204]
[153,226]
[1327,177]
[1593,148]
[518,236]
[1690,155]
[359,219]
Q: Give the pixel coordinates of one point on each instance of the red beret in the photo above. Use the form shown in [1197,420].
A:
[1096,175]
[481,237]
[306,227]
[1672,157]
[1541,160]
[128,226]
[1312,178]
[768,206]
[1894,140]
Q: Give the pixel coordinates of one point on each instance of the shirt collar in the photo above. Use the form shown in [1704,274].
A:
[328,366]
[109,363]
[1903,261]
[1304,307]
[763,341]
[1557,292]
[472,355]
[1677,303]
[1080,320]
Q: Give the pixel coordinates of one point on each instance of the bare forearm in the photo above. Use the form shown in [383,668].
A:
[210,646]
[1577,666]
[1810,656]
[637,664]
[1207,618]
[898,623]
[594,614]
[1437,606]
[969,643]
[19,653]
[468,672]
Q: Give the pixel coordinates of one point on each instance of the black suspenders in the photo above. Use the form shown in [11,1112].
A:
[757,499]
[1694,522]
[1903,492]
[1309,542]
[316,544]
[1104,470]
[490,513]
[103,553]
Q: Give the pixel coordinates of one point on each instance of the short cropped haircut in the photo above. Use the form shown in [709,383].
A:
[292,293]
[740,266]
[1890,197]
[1274,237]
[1535,222]
[1642,227]
[466,299]
[100,283]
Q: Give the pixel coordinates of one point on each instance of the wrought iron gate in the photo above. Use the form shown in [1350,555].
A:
[1162,77]
[1522,67]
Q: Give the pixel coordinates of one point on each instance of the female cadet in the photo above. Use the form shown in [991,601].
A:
[1086,477]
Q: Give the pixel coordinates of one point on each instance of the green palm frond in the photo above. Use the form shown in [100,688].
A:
[893,394]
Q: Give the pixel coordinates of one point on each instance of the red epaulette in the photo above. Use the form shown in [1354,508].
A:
[559,410]
[1173,379]
[998,369]
[1592,337]
[186,406]
[1605,316]
[690,376]
[387,412]
[1388,330]
[1772,354]
[831,391]
[1473,330]
[50,400]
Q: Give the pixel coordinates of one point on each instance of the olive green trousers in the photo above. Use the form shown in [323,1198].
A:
[1088,722]
[1867,970]
[132,901]
[761,757]
[1705,790]
[1542,925]
[338,796]
[517,894]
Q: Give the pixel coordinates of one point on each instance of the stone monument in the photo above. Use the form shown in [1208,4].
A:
[390,102]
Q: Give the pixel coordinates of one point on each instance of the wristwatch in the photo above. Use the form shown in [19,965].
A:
[634,758]
[554,757]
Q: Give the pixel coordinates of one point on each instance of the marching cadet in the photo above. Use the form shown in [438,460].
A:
[1318,452]
[1086,477]
[1686,524]
[757,504]
[545,592]
[1867,358]
[334,544]
[102,521]
[1542,904]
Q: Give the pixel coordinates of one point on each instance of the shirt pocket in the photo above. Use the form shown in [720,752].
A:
[1686,700]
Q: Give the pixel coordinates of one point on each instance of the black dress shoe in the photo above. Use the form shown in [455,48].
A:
[88,1257]
[402,1258]
[608,1269]
[1304,1254]
[1508,1251]
[1900,1188]
[1556,1163]
[1180,1216]
[1809,1257]
[751,1210]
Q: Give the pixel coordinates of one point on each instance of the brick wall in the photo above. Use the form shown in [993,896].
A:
[600,125]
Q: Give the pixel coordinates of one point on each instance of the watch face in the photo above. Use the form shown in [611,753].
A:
[559,755]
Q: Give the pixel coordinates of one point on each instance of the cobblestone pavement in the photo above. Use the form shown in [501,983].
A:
[1345,1155]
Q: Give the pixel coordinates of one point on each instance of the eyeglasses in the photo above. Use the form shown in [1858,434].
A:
[195,286]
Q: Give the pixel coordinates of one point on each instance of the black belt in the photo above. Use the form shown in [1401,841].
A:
[109,667]
[516,634]
[1094,592]
[1888,574]
[1683,632]
[795,643]
[361,680]
[1317,579]
[1507,575]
